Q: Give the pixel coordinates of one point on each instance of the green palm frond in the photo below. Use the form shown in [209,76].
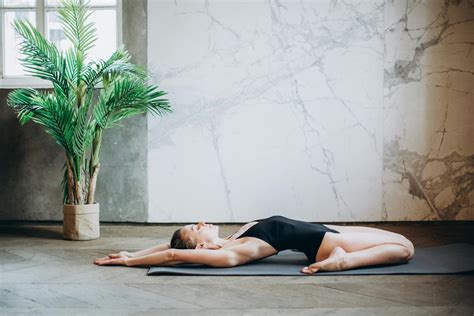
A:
[121,92]
[45,109]
[42,58]
[21,100]
[73,18]
[80,132]
[150,102]
[64,187]
[70,69]
[58,119]
[117,65]
[127,97]
[154,103]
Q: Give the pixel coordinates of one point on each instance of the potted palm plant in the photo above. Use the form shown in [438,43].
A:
[72,113]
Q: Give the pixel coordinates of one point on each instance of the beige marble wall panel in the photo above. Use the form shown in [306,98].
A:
[428,111]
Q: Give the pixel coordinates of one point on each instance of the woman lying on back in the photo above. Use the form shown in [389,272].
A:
[327,247]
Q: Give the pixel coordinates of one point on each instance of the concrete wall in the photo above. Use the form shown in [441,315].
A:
[31,162]
[319,110]
[30,169]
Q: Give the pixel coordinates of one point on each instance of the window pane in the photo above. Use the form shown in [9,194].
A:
[11,52]
[19,3]
[102,2]
[50,3]
[105,23]
[55,3]
[54,31]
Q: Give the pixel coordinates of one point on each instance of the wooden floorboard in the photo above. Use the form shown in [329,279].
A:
[43,274]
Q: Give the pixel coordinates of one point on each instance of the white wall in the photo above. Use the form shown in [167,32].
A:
[317,110]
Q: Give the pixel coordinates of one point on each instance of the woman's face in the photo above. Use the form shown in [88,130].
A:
[201,232]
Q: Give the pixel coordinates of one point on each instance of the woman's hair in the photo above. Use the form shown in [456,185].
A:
[178,242]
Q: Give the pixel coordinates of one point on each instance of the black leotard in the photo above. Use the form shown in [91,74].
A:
[285,233]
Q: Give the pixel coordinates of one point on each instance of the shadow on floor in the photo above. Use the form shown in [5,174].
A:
[48,232]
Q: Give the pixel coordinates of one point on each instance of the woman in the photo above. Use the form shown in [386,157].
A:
[327,247]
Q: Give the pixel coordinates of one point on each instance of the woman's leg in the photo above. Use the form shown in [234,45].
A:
[359,238]
[349,250]
[340,260]
[381,254]
[357,241]
[362,229]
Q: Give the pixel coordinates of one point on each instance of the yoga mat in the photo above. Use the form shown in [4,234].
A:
[446,259]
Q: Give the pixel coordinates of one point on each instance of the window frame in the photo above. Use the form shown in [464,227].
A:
[11,82]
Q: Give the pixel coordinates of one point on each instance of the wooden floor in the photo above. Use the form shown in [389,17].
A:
[43,274]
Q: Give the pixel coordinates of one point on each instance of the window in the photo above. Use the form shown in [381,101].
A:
[44,15]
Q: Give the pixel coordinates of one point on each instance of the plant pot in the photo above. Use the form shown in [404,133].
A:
[81,222]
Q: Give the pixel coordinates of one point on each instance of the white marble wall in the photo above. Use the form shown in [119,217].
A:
[318,110]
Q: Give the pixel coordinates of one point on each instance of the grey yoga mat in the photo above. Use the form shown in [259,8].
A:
[452,258]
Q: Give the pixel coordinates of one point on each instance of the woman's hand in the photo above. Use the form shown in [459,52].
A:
[114,259]
[106,261]
[121,254]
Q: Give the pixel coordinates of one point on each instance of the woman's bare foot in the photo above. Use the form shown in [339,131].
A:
[335,262]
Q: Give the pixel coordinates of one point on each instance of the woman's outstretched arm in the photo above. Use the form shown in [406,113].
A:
[151,250]
[144,252]
[214,258]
